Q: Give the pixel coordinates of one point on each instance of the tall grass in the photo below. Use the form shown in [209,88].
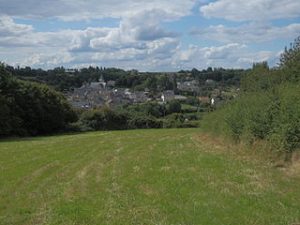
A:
[272,115]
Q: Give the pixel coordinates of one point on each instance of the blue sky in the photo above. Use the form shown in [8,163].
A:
[157,35]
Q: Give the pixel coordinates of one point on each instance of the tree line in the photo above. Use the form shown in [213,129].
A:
[63,79]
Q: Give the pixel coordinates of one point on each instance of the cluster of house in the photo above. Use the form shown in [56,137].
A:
[191,86]
[97,94]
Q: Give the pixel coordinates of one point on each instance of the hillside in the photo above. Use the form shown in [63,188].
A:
[175,176]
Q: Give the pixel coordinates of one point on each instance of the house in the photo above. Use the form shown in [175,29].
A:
[204,99]
[209,82]
[167,96]
[139,97]
[180,97]
[191,85]
[111,83]
[88,95]
[96,94]
[70,71]
[97,85]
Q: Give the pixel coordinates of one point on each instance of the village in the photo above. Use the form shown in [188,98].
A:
[101,93]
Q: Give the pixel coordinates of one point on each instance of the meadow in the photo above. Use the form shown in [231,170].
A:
[163,177]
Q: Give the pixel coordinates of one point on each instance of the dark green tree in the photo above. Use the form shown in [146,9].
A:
[174,107]
[29,108]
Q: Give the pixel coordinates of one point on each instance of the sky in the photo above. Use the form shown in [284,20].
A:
[156,35]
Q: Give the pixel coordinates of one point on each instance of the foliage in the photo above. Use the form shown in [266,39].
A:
[30,109]
[64,79]
[223,76]
[192,101]
[144,122]
[141,116]
[269,107]
[259,78]
[108,119]
[174,106]
[103,119]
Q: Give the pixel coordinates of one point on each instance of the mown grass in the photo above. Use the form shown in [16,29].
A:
[174,176]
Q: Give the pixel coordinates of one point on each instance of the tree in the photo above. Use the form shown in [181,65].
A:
[29,108]
[290,62]
[165,83]
[291,55]
[174,107]
[151,83]
[258,78]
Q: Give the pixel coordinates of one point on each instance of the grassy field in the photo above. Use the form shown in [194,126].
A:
[162,177]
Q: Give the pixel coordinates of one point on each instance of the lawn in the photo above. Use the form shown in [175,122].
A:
[159,177]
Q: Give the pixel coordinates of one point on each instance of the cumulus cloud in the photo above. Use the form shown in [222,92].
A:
[132,32]
[48,60]
[8,27]
[131,41]
[249,33]
[253,10]
[229,55]
[120,47]
[82,9]
[255,21]
[141,39]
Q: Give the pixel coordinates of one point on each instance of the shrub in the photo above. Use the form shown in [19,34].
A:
[272,115]
[269,108]
[144,122]
[174,106]
[103,119]
[286,126]
[174,120]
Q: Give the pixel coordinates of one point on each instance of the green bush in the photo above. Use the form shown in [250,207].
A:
[29,108]
[103,119]
[144,122]
[174,120]
[108,119]
[286,125]
[269,107]
[272,115]
[174,106]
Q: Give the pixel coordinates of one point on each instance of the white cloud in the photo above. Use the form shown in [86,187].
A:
[94,45]
[8,27]
[133,31]
[252,10]
[48,60]
[82,9]
[140,40]
[249,33]
[231,55]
